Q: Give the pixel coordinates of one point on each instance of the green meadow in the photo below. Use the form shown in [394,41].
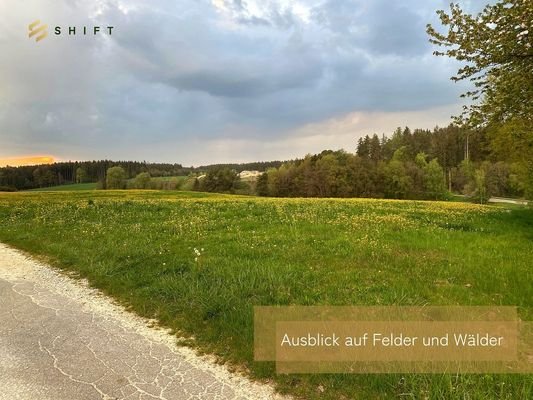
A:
[199,262]
[158,182]
[67,188]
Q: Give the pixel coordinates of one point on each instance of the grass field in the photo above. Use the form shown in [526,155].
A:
[179,180]
[67,188]
[141,248]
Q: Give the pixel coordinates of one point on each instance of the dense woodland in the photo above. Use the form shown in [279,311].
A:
[419,164]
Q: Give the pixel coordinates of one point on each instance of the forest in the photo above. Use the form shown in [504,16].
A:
[41,176]
[410,164]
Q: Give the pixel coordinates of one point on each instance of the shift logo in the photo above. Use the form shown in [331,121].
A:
[40,31]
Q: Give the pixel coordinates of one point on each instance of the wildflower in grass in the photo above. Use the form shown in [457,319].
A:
[198,257]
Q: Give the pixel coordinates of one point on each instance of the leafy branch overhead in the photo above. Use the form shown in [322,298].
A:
[497,48]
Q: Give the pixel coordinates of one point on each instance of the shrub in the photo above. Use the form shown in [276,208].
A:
[116,178]
[142,181]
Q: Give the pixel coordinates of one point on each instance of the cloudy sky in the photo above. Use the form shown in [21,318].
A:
[205,81]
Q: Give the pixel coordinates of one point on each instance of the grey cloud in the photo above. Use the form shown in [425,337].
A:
[253,80]
[396,29]
[275,15]
[175,70]
[378,26]
[253,20]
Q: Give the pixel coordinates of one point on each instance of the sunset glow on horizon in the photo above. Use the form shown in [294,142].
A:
[26,160]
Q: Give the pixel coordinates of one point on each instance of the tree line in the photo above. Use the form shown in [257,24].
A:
[408,164]
[419,164]
[239,167]
[40,176]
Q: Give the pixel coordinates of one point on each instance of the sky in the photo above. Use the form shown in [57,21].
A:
[212,81]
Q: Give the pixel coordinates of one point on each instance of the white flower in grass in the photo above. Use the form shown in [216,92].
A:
[198,257]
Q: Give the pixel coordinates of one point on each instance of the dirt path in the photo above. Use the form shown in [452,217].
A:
[60,340]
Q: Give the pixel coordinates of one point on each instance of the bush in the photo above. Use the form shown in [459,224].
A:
[220,180]
[116,178]
[142,181]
